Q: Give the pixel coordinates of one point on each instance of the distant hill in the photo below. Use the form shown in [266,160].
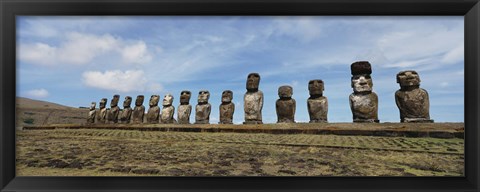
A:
[37,104]
[36,112]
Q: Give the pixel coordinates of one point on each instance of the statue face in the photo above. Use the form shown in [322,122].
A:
[167,100]
[227,96]
[315,87]
[103,103]
[253,81]
[408,78]
[285,91]
[203,96]
[139,100]
[127,102]
[362,83]
[115,99]
[185,97]
[154,100]
[92,105]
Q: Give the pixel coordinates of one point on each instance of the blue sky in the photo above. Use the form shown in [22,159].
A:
[76,60]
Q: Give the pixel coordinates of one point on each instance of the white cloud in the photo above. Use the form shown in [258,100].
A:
[136,53]
[37,53]
[406,64]
[455,55]
[155,87]
[80,48]
[444,84]
[83,48]
[304,29]
[38,93]
[39,29]
[130,80]
[416,46]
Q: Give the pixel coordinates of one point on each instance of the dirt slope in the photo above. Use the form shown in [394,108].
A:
[35,112]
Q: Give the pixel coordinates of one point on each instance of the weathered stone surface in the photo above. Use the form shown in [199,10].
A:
[203,108]
[227,108]
[91,113]
[253,100]
[412,101]
[364,107]
[184,109]
[154,110]
[285,106]
[363,102]
[102,111]
[168,110]
[126,113]
[139,110]
[112,115]
[317,104]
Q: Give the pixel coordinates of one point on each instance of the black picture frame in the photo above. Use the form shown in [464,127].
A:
[9,9]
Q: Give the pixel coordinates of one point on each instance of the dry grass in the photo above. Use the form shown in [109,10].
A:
[127,153]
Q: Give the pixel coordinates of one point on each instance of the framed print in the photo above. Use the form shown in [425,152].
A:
[169,95]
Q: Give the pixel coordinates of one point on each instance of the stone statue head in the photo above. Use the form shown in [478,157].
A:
[203,96]
[408,78]
[253,81]
[361,79]
[362,83]
[185,97]
[154,100]
[227,96]
[316,87]
[139,100]
[127,102]
[103,103]
[285,91]
[167,100]
[114,102]
[92,105]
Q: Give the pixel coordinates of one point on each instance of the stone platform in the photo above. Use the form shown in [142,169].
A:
[435,130]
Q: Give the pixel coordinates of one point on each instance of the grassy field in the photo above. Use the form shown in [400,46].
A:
[92,152]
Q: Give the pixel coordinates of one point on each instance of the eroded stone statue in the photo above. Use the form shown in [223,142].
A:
[203,108]
[285,106]
[253,100]
[184,109]
[317,104]
[126,113]
[412,101]
[139,110]
[227,108]
[363,101]
[154,110]
[168,110]
[91,113]
[102,111]
[112,116]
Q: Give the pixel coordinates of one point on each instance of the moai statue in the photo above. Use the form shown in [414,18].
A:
[412,101]
[285,105]
[168,110]
[139,110]
[112,116]
[102,111]
[126,113]
[91,113]
[253,100]
[203,108]
[227,108]
[184,109]
[317,104]
[363,102]
[154,110]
